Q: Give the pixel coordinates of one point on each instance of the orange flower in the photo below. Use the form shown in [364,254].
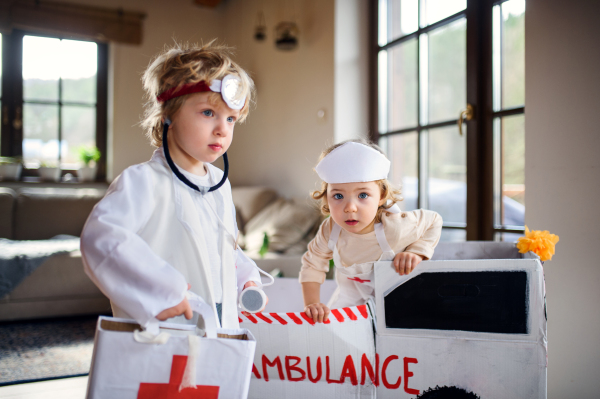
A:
[540,242]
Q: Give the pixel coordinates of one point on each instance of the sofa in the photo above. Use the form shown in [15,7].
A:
[60,287]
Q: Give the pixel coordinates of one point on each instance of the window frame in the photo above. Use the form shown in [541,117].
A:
[480,223]
[11,133]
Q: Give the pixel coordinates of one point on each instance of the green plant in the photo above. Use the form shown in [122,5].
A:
[265,246]
[87,154]
[9,160]
[48,164]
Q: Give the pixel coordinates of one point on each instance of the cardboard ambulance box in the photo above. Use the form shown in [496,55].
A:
[471,321]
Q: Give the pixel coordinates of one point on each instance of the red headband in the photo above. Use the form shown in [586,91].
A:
[186,89]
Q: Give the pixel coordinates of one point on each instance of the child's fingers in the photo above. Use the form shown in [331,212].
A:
[416,260]
[397,263]
[402,265]
[188,311]
[315,313]
[326,316]
[308,312]
[321,314]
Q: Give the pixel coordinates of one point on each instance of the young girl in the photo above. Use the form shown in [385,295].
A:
[365,226]
[168,225]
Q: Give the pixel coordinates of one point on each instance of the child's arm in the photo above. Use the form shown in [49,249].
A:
[315,264]
[312,302]
[119,261]
[246,271]
[428,228]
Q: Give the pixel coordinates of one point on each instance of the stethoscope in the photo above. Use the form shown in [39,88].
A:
[251,299]
[202,189]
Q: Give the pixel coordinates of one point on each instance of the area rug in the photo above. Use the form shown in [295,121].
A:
[43,350]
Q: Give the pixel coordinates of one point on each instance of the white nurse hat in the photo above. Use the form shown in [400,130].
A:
[352,163]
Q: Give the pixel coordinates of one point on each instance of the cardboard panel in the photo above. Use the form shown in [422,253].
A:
[478,325]
[490,369]
[296,358]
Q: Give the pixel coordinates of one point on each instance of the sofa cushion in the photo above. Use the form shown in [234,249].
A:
[249,201]
[285,221]
[42,213]
[7,206]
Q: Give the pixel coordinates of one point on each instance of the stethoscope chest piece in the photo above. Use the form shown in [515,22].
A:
[252,299]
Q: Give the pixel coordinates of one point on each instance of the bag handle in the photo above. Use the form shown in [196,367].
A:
[206,311]
[152,334]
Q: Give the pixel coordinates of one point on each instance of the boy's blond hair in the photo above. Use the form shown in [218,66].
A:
[187,64]
[388,190]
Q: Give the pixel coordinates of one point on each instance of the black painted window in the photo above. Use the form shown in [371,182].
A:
[490,302]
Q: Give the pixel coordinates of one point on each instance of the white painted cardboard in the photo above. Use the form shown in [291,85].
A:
[491,365]
[289,341]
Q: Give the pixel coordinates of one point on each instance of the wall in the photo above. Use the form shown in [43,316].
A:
[279,144]
[563,184]
[351,105]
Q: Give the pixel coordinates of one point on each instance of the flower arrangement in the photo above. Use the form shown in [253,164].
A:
[540,242]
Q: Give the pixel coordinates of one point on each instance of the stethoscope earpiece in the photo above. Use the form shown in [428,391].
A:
[202,190]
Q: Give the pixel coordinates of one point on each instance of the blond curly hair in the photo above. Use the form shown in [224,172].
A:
[184,64]
[389,192]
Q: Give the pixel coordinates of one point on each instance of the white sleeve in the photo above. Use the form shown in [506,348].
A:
[118,260]
[246,269]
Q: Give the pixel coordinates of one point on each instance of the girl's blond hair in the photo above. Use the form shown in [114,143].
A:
[388,191]
[187,64]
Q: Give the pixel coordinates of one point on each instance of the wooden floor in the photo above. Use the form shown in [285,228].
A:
[65,388]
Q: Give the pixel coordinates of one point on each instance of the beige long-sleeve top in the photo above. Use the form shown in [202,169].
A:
[416,231]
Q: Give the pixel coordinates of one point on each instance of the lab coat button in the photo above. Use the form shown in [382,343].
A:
[404,215]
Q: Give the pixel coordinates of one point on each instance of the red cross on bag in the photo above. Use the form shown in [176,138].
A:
[171,390]
[359,280]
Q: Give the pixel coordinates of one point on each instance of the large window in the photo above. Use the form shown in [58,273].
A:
[53,100]
[433,58]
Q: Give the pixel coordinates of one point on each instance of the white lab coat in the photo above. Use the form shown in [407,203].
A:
[143,243]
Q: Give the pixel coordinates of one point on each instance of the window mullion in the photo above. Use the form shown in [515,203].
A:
[12,96]
[423,109]
[480,160]
[102,110]
[60,104]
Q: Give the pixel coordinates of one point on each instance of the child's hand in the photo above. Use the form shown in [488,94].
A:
[253,284]
[183,308]
[405,262]
[318,311]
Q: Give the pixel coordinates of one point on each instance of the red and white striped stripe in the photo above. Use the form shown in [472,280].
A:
[295,318]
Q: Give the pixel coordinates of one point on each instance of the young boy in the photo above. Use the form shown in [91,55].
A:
[159,231]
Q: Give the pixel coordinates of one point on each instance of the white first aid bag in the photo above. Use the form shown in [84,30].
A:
[176,363]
